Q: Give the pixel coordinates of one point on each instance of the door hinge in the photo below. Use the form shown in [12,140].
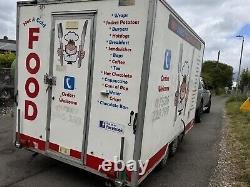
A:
[50,80]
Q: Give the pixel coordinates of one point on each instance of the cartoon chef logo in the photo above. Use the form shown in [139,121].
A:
[183,90]
[70,52]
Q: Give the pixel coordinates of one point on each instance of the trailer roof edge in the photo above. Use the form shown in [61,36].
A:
[45,2]
[181,20]
[34,2]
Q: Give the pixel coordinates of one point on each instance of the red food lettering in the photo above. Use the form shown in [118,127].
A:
[33,81]
[37,65]
[32,37]
[28,106]
[31,110]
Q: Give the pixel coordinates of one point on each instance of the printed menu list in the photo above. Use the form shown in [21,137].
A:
[116,79]
[196,83]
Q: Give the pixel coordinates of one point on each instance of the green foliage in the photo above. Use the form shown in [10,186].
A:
[13,68]
[218,91]
[239,141]
[245,79]
[6,59]
[217,75]
[237,98]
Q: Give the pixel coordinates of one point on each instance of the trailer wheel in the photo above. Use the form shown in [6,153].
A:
[208,106]
[198,113]
[109,183]
[164,161]
[173,147]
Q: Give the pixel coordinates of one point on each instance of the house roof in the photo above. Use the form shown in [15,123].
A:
[7,45]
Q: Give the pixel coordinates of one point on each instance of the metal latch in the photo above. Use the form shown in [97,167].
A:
[105,93]
[49,80]
[134,123]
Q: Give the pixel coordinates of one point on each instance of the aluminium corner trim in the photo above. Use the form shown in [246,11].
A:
[144,85]
[16,71]
[89,87]
[49,102]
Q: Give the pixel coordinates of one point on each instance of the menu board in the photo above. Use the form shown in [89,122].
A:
[119,50]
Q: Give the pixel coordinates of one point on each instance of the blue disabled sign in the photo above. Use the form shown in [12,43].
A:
[167,60]
[69,83]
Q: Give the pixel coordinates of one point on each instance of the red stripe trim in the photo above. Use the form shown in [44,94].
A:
[30,142]
[75,154]
[94,162]
[158,156]
[189,126]
[155,159]
[27,141]
[54,147]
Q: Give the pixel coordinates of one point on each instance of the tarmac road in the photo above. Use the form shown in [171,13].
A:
[193,164]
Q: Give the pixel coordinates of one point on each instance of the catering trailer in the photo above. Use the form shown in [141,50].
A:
[108,86]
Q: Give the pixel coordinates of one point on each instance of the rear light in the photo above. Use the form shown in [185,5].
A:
[24,143]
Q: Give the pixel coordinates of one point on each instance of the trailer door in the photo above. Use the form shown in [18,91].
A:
[68,83]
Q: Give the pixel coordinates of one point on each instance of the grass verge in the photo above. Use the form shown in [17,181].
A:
[239,140]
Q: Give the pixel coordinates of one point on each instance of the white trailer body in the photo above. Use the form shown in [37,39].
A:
[99,79]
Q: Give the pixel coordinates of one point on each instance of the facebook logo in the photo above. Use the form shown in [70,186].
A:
[167,60]
[102,124]
[69,83]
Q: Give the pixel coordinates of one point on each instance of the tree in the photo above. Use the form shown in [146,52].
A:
[217,75]
[6,59]
[245,80]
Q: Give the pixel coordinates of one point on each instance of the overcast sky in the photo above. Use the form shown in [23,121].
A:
[216,21]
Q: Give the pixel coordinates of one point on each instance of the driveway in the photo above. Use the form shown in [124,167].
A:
[193,164]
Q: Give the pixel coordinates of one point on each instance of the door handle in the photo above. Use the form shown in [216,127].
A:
[130,118]
[135,123]
[105,93]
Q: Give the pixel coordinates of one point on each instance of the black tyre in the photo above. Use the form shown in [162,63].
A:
[164,161]
[173,147]
[208,106]
[109,183]
[198,113]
